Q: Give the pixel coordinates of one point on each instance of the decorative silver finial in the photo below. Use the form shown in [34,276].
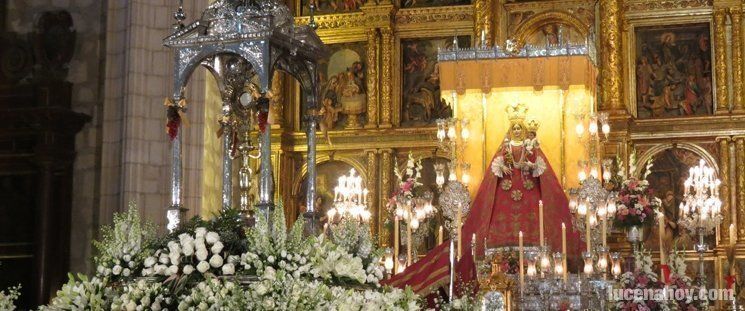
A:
[179,16]
[312,22]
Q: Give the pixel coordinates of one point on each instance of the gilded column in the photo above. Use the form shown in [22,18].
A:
[372,78]
[610,62]
[387,77]
[736,16]
[720,60]
[482,21]
[277,99]
[386,171]
[740,186]
[372,187]
[724,194]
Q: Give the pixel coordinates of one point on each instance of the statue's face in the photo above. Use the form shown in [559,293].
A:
[517,131]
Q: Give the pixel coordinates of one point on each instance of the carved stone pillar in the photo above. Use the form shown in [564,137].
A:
[720,60]
[373,40]
[737,92]
[740,186]
[387,78]
[610,61]
[386,172]
[724,193]
[482,21]
[372,187]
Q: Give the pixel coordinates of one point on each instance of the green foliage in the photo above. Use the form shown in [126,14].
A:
[123,245]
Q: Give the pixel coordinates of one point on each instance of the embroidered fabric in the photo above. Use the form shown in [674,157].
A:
[540,166]
[497,166]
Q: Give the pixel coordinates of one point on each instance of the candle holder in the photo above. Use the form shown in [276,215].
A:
[545,261]
[558,265]
[588,269]
[602,264]
[531,257]
[615,258]
[388,261]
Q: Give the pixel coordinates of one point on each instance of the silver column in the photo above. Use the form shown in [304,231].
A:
[227,161]
[173,215]
[266,179]
[310,215]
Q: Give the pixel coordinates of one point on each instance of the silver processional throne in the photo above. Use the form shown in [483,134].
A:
[240,41]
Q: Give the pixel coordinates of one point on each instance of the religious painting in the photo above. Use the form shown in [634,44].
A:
[343,87]
[668,173]
[673,71]
[421,100]
[327,176]
[431,3]
[554,34]
[331,6]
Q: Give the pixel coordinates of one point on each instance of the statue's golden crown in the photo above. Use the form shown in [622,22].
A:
[533,125]
[516,112]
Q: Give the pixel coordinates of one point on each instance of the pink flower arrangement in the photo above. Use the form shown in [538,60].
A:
[634,206]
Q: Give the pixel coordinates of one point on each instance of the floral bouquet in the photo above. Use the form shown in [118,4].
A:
[679,280]
[8,298]
[635,205]
[407,182]
[643,277]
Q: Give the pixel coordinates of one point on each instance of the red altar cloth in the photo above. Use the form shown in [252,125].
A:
[498,215]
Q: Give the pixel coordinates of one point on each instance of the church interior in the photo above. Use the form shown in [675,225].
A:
[372,155]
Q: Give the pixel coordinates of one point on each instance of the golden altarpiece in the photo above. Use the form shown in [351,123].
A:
[669,76]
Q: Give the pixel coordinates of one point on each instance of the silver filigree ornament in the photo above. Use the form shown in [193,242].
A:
[455,195]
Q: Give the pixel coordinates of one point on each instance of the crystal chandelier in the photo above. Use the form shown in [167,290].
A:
[452,136]
[595,123]
[415,210]
[350,200]
[700,211]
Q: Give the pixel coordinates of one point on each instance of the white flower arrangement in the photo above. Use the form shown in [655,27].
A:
[120,252]
[82,294]
[142,295]
[193,268]
[8,298]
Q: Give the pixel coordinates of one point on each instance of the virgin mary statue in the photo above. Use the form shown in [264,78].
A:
[517,181]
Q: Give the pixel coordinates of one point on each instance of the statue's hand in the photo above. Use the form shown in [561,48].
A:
[506,170]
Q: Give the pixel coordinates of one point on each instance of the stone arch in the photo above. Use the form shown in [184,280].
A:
[698,150]
[535,22]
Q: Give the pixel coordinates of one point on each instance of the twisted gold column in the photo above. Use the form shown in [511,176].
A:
[482,21]
[372,78]
[372,187]
[724,188]
[720,60]
[737,92]
[386,77]
[386,171]
[610,61]
[740,186]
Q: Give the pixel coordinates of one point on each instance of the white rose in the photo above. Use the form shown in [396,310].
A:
[188,249]
[100,269]
[116,270]
[270,259]
[202,254]
[131,306]
[203,266]
[127,257]
[200,232]
[160,269]
[175,259]
[188,269]
[217,247]
[212,237]
[149,262]
[163,259]
[233,259]
[183,236]
[125,272]
[216,261]
[147,271]
[228,269]
[172,270]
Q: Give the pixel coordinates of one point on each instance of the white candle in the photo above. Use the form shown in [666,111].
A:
[520,260]
[564,250]
[588,229]
[661,231]
[395,242]
[540,222]
[604,231]
[732,235]
[439,236]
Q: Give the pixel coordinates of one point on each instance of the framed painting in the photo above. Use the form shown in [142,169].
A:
[420,80]
[672,72]
[431,3]
[343,85]
[331,6]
